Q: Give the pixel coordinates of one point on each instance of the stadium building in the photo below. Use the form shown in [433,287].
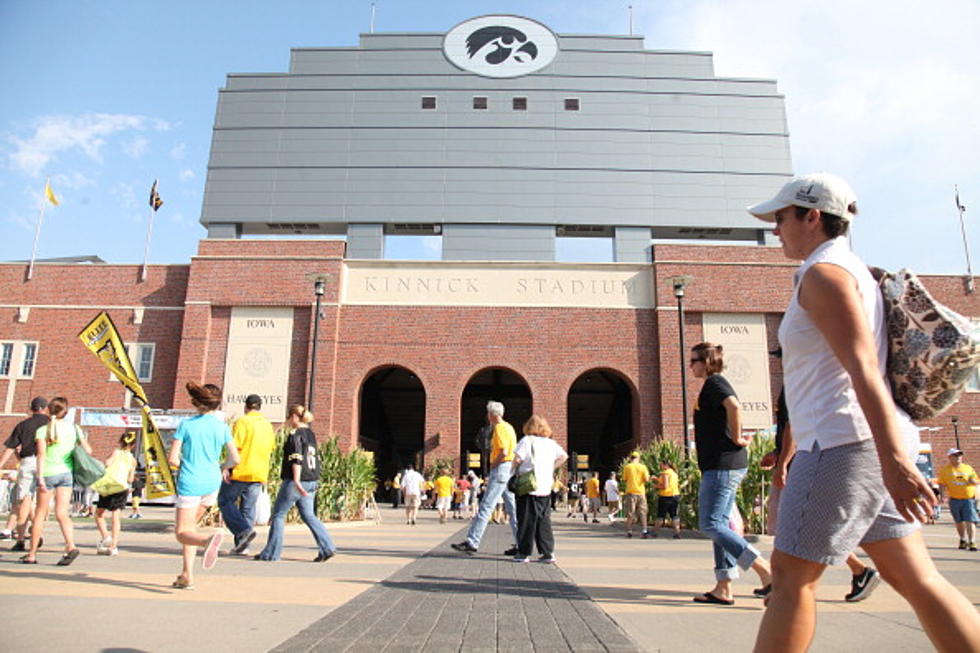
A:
[499,145]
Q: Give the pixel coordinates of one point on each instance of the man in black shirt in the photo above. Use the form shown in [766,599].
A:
[21,442]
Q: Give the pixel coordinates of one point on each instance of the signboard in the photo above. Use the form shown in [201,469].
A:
[746,354]
[259,347]
[473,460]
[582,461]
[500,46]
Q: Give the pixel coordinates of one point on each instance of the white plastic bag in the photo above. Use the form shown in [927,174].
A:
[263,508]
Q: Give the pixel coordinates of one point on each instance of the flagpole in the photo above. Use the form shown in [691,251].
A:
[968,279]
[37,232]
[149,235]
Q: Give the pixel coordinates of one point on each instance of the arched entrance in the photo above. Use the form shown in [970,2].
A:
[600,419]
[497,384]
[392,419]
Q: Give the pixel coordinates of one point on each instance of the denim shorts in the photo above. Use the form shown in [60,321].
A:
[65,479]
[963,510]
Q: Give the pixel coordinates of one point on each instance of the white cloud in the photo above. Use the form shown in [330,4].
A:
[186,174]
[70,180]
[176,218]
[54,135]
[125,194]
[136,146]
[179,151]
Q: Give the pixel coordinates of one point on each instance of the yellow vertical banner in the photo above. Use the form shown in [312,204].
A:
[159,480]
[102,339]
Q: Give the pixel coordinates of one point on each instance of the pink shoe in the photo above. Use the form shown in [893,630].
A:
[211,551]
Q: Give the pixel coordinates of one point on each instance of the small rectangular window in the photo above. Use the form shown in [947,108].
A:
[571,104]
[144,362]
[30,354]
[479,103]
[520,104]
[428,102]
[6,355]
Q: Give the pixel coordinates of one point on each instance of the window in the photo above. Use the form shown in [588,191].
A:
[428,102]
[571,104]
[479,103]
[973,385]
[30,353]
[520,104]
[6,355]
[141,356]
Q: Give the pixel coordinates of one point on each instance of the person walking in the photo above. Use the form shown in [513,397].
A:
[668,498]
[961,482]
[442,488]
[22,443]
[723,462]
[473,498]
[55,443]
[611,488]
[196,452]
[592,494]
[502,445]
[536,452]
[636,476]
[412,484]
[255,439]
[121,467]
[300,474]
[855,447]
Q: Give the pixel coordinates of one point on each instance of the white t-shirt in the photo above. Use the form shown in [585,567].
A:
[612,490]
[412,483]
[546,452]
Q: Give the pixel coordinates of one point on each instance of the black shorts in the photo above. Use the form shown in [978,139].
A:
[667,507]
[115,501]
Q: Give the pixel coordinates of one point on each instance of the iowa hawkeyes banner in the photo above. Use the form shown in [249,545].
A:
[102,339]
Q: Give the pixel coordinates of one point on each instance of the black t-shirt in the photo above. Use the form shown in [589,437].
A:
[782,419]
[300,447]
[24,434]
[715,448]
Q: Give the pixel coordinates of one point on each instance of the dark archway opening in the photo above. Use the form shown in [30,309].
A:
[497,384]
[600,419]
[392,420]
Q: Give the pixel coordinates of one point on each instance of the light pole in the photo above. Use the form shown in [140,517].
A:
[679,283]
[319,287]
[956,430]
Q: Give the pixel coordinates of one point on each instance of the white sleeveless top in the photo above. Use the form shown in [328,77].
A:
[822,405]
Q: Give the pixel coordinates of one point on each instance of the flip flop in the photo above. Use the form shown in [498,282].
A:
[182,584]
[25,561]
[708,597]
[762,592]
[68,558]
[211,552]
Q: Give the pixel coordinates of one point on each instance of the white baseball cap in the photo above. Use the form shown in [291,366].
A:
[954,452]
[821,190]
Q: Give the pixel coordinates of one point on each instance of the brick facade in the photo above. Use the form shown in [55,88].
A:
[185,310]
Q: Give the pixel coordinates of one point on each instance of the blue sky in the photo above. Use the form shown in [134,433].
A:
[105,96]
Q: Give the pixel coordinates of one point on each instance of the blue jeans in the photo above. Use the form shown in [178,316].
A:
[715,502]
[238,521]
[496,485]
[288,497]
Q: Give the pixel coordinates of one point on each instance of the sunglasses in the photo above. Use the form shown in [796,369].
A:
[696,360]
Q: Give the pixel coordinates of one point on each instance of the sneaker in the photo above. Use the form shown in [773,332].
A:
[962,545]
[520,558]
[549,559]
[629,534]
[241,543]
[973,547]
[512,551]
[645,535]
[113,551]
[863,585]
[137,516]
[677,536]
[595,521]
[6,535]
[463,547]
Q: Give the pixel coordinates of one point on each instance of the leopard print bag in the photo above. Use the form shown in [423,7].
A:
[932,350]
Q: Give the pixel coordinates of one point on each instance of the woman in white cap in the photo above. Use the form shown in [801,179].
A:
[853,480]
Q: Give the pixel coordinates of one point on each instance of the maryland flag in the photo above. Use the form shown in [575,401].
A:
[155,201]
[49,194]
[102,339]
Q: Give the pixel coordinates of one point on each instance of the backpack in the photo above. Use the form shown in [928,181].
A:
[932,350]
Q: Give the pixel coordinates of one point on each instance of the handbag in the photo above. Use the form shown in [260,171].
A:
[932,350]
[107,485]
[526,483]
[87,470]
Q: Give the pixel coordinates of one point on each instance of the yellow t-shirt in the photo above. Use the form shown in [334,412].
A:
[255,439]
[636,475]
[959,481]
[444,486]
[504,441]
[671,488]
[592,488]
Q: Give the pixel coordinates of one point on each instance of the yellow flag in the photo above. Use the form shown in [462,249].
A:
[49,194]
[159,480]
[102,339]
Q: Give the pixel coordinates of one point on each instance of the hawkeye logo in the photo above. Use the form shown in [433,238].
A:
[500,46]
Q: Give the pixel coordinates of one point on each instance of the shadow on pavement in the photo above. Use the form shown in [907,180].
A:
[81,577]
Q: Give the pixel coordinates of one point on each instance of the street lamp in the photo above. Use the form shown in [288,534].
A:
[319,287]
[956,430]
[679,282]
